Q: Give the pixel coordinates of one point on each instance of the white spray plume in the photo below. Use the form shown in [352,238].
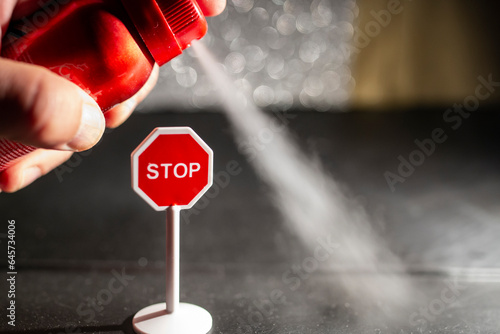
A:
[311,202]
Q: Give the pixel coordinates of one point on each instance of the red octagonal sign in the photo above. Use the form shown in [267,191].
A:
[172,166]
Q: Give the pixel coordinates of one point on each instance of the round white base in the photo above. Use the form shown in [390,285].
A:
[187,319]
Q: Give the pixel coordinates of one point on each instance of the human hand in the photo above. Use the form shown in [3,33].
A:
[39,108]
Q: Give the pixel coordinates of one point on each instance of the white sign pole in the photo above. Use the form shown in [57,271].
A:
[172,316]
[172,259]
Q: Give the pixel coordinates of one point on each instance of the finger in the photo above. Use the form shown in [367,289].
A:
[6,8]
[30,167]
[119,114]
[212,7]
[39,108]
[16,9]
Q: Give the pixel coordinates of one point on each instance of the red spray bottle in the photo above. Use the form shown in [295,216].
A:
[107,47]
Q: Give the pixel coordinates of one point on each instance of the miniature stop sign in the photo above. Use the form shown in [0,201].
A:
[172,166]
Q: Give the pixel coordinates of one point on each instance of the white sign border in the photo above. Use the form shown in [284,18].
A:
[145,144]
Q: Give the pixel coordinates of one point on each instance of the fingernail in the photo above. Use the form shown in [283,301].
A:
[30,175]
[91,128]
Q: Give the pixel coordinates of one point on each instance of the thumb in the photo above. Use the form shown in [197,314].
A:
[39,108]
[212,7]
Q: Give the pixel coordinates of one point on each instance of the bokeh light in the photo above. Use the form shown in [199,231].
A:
[281,53]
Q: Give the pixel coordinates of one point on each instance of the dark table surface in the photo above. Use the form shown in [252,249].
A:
[80,228]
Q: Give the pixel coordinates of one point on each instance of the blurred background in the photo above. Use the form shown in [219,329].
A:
[326,55]
[357,83]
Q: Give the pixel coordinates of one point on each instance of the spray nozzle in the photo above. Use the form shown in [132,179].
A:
[166,26]
[185,19]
